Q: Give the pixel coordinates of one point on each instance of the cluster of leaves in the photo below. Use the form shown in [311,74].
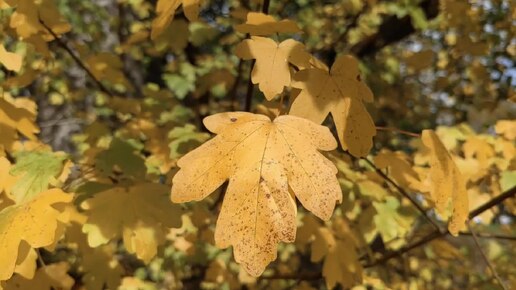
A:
[125,189]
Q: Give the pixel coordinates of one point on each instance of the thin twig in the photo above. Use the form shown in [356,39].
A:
[396,130]
[404,193]
[435,234]
[40,258]
[234,89]
[250,90]
[76,58]
[496,200]
[428,238]
[265,7]
[484,256]
[489,236]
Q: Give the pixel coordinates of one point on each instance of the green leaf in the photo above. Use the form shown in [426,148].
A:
[508,180]
[37,169]
[389,221]
[121,156]
[184,139]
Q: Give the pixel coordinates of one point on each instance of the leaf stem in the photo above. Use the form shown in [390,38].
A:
[250,90]
[399,131]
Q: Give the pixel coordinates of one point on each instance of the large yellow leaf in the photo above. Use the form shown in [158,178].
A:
[262,24]
[271,70]
[447,183]
[35,223]
[141,214]
[166,10]
[262,160]
[340,92]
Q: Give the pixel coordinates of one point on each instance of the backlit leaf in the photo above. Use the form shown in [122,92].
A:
[262,160]
[35,223]
[340,92]
[447,183]
[35,170]
[262,24]
[271,70]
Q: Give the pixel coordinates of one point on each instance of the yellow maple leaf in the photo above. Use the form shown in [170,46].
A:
[48,277]
[26,261]
[479,148]
[7,181]
[340,92]
[166,10]
[446,183]
[16,115]
[341,264]
[101,268]
[262,24]
[400,168]
[262,160]
[11,61]
[506,128]
[271,70]
[141,214]
[26,19]
[35,222]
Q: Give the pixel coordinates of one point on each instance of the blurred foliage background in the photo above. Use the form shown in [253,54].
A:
[445,64]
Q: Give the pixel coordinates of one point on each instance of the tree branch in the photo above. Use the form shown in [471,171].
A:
[484,256]
[76,58]
[435,234]
[396,130]
[393,29]
[404,193]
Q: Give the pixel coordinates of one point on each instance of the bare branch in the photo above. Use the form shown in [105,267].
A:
[76,58]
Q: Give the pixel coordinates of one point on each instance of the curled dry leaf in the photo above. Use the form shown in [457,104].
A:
[340,92]
[446,182]
[271,70]
[262,160]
